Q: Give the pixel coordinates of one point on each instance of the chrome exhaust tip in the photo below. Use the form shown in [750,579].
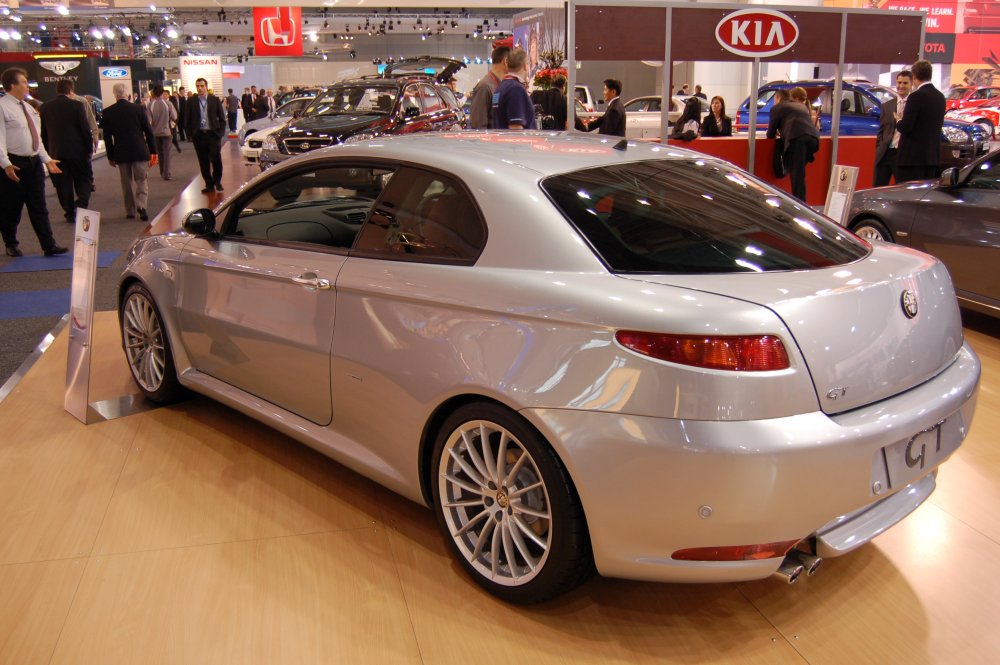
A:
[789,570]
[809,561]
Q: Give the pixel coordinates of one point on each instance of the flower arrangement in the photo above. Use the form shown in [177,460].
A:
[551,69]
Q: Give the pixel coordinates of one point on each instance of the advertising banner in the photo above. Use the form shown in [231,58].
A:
[8,4]
[88,224]
[542,33]
[109,76]
[208,67]
[277,31]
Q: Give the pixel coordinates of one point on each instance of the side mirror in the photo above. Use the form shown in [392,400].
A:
[949,178]
[200,223]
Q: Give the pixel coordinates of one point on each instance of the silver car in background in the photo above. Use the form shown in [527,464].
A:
[578,352]
[287,111]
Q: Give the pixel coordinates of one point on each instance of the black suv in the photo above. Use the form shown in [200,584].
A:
[409,96]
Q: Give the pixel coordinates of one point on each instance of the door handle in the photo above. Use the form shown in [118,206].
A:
[310,280]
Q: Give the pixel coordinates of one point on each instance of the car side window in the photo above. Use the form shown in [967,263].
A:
[324,206]
[424,216]
[636,106]
[430,101]
[410,106]
[985,176]
[866,104]
[764,98]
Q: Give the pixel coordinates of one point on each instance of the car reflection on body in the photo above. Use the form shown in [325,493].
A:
[578,352]
[954,218]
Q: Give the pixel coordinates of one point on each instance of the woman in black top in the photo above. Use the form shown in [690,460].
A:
[717,123]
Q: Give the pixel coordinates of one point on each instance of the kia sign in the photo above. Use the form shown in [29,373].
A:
[277,31]
[756,33]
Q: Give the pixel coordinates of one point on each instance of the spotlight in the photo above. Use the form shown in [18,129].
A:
[324,55]
[63,10]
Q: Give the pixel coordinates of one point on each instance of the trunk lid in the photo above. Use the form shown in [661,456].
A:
[850,322]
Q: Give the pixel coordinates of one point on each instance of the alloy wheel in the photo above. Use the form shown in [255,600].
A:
[143,337]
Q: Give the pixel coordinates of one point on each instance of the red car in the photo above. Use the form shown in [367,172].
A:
[971,96]
[987,115]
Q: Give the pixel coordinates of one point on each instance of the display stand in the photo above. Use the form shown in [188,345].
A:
[839,193]
[81,320]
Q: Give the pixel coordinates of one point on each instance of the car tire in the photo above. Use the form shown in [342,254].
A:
[147,347]
[870,229]
[987,127]
[522,537]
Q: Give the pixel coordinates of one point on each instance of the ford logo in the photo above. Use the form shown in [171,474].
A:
[114,73]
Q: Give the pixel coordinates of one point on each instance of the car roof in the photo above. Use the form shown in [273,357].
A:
[532,154]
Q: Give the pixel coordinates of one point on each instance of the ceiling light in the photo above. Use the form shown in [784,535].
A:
[127,31]
[172,32]
[15,35]
[152,7]
[4,35]
[153,39]
[16,18]
[63,10]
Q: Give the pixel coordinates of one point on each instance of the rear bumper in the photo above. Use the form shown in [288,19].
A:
[652,486]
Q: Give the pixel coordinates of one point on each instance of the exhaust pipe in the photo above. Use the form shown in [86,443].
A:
[809,561]
[789,570]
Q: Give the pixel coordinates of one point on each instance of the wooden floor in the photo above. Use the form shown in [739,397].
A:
[192,534]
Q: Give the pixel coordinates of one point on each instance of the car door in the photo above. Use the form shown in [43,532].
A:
[961,226]
[438,114]
[411,111]
[642,118]
[402,305]
[257,304]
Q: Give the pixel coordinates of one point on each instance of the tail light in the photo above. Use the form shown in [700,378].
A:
[736,552]
[738,353]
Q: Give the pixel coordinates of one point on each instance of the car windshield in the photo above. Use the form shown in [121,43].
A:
[958,93]
[883,93]
[695,216]
[354,99]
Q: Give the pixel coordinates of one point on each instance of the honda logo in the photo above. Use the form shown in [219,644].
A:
[756,33]
[278,30]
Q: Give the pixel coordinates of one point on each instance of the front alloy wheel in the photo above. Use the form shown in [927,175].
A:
[146,347]
[507,506]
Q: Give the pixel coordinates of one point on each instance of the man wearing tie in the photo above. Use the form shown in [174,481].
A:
[21,157]
[206,125]
[887,141]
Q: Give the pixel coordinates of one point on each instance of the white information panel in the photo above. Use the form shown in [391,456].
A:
[208,67]
[81,312]
[838,196]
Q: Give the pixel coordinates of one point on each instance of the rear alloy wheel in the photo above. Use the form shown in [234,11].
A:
[147,348]
[872,229]
[507,506]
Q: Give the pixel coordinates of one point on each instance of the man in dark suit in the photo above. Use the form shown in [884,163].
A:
[612,123]
[68,138]
[206,125]
[179,100]
[131,147]
[260,107]
[246,103]
[887,141]
[919,126]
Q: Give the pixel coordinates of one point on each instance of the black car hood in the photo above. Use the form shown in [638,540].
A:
[330,125]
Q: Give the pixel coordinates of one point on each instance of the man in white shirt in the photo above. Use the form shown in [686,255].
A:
[21,158]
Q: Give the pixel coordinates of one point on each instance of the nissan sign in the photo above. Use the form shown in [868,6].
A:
[756,33]
[114,73]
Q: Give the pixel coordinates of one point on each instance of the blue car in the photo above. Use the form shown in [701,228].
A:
[860,108]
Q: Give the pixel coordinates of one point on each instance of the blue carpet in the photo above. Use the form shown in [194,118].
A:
[61,262]
[28,304]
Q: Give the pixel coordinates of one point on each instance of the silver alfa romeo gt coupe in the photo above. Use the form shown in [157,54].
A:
[579,352]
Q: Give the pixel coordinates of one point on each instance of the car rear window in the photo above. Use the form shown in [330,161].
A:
[695,216]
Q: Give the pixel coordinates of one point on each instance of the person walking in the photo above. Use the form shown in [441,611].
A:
[67,138]
[162,119]
[272,107]
[919,125]
[260,105]
[131,147]
[717,123]
[246,103]
[887,140]
[206,124]
[22,156]
[232,109]
[180,105]
[612,123]
[481,99]
[791,119]
[512,107]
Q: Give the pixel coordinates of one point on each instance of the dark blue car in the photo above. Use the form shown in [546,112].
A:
[860,108]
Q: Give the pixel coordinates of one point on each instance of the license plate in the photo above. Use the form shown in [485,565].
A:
[911,459]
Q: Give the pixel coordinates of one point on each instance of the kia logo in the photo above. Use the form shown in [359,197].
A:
[114,73]
[756,33]
[278,30]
